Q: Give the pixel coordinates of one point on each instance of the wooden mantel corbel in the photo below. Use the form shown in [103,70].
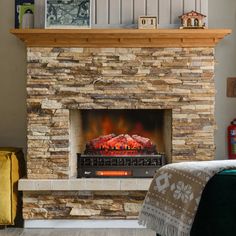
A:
[113,38]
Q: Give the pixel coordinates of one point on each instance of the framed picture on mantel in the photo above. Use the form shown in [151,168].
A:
[67,14]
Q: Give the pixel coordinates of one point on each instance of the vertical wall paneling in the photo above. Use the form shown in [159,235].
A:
[102,12]
[204,7]
[164,11]
[121,13]
[127,12]
[152,7]
[114,8]
[39,14]
[198,5]
[176,11]
[124,13]
[189,5]
[139,9]
[93,12]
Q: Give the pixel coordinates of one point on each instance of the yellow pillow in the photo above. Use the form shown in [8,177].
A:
[9,176]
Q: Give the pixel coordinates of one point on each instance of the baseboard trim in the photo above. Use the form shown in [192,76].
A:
[82,224]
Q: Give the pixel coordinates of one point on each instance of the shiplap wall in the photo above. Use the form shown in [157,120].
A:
[125,13]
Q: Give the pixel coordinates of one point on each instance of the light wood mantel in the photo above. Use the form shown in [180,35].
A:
[113,38]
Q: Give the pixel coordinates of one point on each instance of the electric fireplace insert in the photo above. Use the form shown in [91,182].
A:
[121,143]
[123,156]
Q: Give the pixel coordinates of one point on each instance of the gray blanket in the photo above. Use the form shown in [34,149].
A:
[174,195]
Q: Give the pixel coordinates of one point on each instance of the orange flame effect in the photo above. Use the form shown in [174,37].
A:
[107,125]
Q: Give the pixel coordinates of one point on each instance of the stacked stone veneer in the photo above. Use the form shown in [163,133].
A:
[60,79]
[82,205]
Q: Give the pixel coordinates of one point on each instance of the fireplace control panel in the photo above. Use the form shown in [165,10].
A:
[140,166]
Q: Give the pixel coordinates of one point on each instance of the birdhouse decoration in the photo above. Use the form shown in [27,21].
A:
[192,20]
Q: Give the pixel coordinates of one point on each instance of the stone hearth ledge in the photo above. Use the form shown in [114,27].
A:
[92,184]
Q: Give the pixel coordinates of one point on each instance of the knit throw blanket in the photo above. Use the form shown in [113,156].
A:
[174,195]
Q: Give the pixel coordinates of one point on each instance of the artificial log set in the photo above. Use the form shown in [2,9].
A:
[122,144]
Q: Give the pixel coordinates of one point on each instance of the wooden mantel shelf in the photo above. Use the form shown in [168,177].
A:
[120,37]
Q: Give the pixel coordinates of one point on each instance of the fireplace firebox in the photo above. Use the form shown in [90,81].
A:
[121,143]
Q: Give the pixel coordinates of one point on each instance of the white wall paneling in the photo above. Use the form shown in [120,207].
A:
[127,12]
[204,6]
[39,14]
[164,12]
[115,9]
[140,8]
[152,7]
[93,12]
[176,10]
[102,11]
[189,5]
[198,5]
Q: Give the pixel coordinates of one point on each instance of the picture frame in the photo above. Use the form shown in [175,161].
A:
[231,87]
[21,6]
[68,14]
[147,22]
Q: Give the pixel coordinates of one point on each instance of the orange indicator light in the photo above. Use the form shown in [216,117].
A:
[113,173]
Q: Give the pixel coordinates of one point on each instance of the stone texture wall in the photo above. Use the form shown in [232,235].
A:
[60,79]
[82,205]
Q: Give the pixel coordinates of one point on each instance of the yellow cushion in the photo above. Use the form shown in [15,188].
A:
[9,176]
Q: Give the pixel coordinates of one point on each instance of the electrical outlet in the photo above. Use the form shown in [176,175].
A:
[231,87]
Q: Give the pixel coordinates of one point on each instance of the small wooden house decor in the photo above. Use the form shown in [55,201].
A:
[192,20]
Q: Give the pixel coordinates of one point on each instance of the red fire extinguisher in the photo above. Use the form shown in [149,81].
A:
[232,140]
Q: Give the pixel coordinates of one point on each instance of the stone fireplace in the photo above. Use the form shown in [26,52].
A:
[68,86]
[65,79]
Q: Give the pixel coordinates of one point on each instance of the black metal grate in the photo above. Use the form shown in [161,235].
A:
[132,161]
[141,166]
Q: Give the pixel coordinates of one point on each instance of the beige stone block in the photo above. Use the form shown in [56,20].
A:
[127,57]
[26,185]
[39,128]
[43,185]
[61,185]
[204,107]
[32,175]
[111,72]
[179,142]
[181,91]
[188,107]
[132,207]
[51,104]
[143,184]
[103,202]
[128,184]
[173,81]
[30,200]
[112,184]
[94,184]
[60,137]
[143,72]
[77,184]
[84,212]
[55,149]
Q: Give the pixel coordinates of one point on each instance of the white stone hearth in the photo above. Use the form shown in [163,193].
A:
[85,185]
